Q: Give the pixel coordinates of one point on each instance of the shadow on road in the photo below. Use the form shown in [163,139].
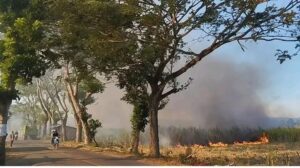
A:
[30,161]
[27,149]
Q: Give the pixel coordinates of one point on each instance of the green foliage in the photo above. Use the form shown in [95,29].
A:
[139,117]
[94,125]
[89,32]
[92,85]
[164,27]
[20,58]
[164,30]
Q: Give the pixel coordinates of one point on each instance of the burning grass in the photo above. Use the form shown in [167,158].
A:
[242,155]
[278,146]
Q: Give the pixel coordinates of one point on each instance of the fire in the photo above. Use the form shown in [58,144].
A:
[262,140]
[218,144]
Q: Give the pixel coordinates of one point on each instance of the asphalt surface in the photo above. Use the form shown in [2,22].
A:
[40,153]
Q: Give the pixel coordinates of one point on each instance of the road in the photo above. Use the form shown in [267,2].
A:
[40,153]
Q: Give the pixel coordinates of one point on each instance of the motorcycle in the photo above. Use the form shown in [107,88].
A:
[56,142]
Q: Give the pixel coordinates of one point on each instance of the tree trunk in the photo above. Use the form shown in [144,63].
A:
[63,130]
[82,119]
[2,150]
[72,89]
[86,131]
[44,134]
[97,145]
[135,142]
[79,114]
[54,122]
[4,107]
[50,125]
[153,119]
[78,128]
[78,132]
[40,131]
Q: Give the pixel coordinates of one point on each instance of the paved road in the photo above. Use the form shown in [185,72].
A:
[40,153]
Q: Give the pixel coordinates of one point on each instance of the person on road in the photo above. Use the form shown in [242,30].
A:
[12,138]
[16,135]
[55,136]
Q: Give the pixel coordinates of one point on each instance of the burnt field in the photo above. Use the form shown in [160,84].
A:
[242,155]
[192,146]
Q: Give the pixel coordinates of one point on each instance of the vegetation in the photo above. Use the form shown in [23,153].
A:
[93,125]
[274,153]
[138,122]
[142,44]
[163,27]
[20,61]
[268,155]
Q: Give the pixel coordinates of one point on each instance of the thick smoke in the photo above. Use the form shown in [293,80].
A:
[223,94]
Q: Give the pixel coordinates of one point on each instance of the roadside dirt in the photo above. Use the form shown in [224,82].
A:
[40,153]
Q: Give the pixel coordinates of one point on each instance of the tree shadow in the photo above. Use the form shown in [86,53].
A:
[27,149]
[17,161]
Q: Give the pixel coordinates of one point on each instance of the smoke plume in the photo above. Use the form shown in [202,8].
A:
[223,94]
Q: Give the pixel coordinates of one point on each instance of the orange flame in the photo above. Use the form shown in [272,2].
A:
[218,144]
[262,140]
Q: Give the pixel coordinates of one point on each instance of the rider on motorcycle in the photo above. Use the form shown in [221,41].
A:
[55,136]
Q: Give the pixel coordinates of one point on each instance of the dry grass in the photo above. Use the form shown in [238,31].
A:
[262,154]
[117,151]
[242,155]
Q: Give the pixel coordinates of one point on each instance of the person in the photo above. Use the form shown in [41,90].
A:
[12,138]
[16,135]
[54,135]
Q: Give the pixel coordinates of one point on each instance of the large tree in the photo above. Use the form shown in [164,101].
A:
[51,87]
[88,37]
[21,31]
[166,29]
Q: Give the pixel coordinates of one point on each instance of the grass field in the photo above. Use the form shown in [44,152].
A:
[264,154]
[242,155]
[283,148]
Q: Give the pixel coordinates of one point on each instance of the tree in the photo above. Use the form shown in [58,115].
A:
[21,31]
[47,106]
[80,32]
[54,89]
[136,94]
[164,27]
[93,125]
[138,124]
